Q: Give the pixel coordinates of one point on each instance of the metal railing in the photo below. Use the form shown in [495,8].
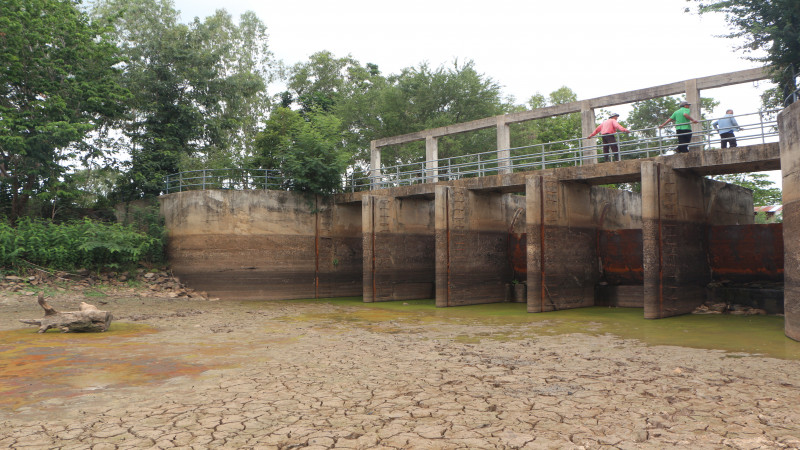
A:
[758,127]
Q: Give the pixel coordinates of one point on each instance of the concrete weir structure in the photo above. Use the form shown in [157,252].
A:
[558,234]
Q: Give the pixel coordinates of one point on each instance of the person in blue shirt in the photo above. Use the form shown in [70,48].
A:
[726,126]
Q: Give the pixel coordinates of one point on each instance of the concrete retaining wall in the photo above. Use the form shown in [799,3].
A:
[263,244]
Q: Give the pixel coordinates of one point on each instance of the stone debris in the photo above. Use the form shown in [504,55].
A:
[160,283]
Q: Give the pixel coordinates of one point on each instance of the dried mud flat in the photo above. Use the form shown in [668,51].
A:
[214,374]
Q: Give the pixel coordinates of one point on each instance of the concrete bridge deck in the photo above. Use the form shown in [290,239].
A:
[751,158]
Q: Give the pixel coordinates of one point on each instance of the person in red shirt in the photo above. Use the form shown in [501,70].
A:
[608,130]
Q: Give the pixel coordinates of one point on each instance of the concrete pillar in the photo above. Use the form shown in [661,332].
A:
[431,159]
[534,230]
[693,97]
[374,163]
[472,246]
[398,246]
[588,125]
[561,234]
[367,247]
[675,265]
[789,132]
[503,145]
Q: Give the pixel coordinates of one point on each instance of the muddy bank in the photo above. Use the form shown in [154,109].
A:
[180,372]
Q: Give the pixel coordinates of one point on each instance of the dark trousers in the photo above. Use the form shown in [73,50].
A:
[610,144]
[684,138]
[728,139]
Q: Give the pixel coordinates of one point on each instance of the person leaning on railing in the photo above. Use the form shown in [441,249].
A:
[607,131]
[726,126]
[682,118]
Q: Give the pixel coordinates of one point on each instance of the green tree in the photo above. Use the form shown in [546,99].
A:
[199,89]
[306,148]
[771,26]
[58,82]
[546,135]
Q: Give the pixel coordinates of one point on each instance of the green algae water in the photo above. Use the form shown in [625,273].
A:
[740,336]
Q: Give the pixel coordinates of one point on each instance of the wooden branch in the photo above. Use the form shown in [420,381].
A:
[88,319]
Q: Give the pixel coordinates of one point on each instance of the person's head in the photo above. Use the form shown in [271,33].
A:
[730,111]
[685,104]
[613,116]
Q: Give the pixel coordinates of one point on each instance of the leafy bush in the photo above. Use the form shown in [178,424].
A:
[77,244]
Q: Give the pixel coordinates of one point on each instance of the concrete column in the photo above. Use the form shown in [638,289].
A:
[693,97]
[472,246]
[534,230]
[562,253]
[588,125]
[675,263]
[789,132]
[503,145]
[367,247]
[374,163]
[442,242]
[431,159]
[398,246]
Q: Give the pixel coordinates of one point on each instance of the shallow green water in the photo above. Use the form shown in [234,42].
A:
[754,335]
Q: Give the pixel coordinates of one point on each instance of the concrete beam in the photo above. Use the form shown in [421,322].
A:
[710,82]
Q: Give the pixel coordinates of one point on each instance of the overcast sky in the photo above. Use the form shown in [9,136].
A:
[595,48]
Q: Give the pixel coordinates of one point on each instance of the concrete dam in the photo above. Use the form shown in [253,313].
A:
[551,237]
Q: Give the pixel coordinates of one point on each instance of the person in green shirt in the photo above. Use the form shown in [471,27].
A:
[683,129]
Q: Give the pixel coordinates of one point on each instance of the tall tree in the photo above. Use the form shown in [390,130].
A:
[772,26]
[58,82]
[199,89]
[305,148]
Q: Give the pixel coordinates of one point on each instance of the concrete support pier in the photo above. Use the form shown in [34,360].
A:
[472,238]
[789,130]
[562,252]
[677,207]
[398,243]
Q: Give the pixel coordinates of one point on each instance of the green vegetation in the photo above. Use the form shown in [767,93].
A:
[76,244]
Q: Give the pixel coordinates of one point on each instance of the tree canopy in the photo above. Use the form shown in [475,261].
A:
[58,82]
[771,26]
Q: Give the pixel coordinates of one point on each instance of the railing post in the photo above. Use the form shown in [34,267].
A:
[374,163]
[588,125]
[693,97]
[761,119]
[431,159]
[503,146]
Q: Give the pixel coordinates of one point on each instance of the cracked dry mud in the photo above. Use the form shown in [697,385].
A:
[203,374]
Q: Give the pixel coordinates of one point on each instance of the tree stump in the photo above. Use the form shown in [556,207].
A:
[88,319]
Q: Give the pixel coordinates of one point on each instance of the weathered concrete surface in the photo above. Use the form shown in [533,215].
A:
[263,244]
[676,208]
[743,253]
[562,247]
[472,245]
[789,131]
[398,244]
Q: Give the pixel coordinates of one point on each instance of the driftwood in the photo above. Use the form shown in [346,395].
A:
[89,318]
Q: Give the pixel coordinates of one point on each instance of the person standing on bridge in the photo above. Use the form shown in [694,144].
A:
[608,130]
[682,118]
[726,126]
